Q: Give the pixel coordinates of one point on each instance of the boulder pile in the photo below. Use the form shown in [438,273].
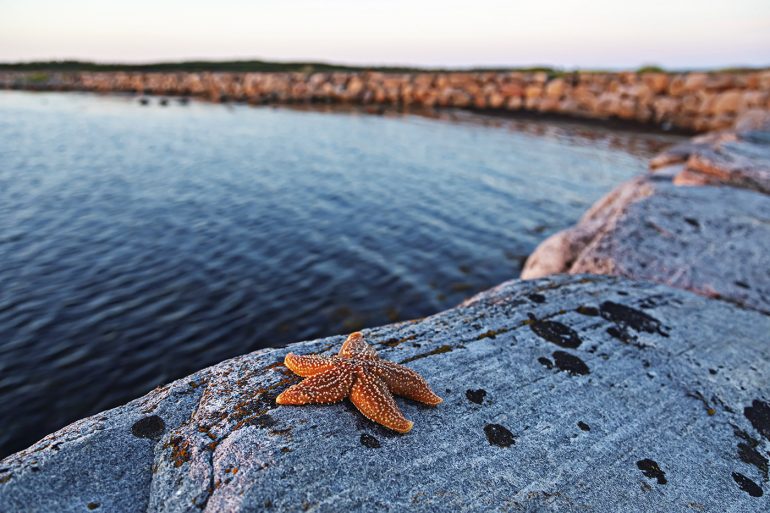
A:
[695,101]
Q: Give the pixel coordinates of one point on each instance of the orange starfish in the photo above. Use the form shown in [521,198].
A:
[358,373]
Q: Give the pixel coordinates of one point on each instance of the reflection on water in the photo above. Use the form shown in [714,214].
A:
[141,243]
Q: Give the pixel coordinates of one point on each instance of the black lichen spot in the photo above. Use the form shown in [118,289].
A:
[92,505]
[625,316]
[582,425]
[556,332]
[747,485]
[498,435]
[546,362]
[621,334]
[759,416]
[587,310]
[570,363]
[651,470]
[748,453]
[536,298]
[151,427]
[476,396]
[692,222]
[369,441]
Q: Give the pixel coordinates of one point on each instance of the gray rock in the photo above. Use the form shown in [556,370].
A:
[740,158]
[572,393]
[711,240]
[558,252]
[742,163]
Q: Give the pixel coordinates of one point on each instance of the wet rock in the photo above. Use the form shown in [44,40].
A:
[227,447]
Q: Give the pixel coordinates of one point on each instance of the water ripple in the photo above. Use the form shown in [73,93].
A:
[140,244]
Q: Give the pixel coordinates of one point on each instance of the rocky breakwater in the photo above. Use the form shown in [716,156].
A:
[696,102]
[571,393]
[700,221]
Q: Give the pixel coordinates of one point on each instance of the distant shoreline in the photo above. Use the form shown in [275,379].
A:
[245,66]
[683,102]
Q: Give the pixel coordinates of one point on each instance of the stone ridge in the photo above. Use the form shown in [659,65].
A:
[700,222]
[695,101]
[599,394]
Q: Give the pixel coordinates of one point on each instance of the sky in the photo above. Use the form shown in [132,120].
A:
[607,34]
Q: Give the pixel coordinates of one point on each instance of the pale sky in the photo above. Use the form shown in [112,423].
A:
[567,33]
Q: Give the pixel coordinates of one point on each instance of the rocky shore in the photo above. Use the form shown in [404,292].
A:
[694,102]
[642,386]
[572,393]
[700,221]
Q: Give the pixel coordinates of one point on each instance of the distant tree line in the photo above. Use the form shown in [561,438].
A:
[243,66]
[235,66]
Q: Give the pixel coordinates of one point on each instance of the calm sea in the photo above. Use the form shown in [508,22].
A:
[141,243]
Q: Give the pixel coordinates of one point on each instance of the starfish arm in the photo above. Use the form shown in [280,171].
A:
[308,365]
[372,398]
[356,347]
[328,387]
[405,382]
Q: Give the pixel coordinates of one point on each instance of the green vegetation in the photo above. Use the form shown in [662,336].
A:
[650,68]
[38,77]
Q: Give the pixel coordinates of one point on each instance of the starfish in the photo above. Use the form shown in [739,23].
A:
[357,372]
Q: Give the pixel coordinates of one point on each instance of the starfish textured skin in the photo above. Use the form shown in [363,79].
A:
[357,372]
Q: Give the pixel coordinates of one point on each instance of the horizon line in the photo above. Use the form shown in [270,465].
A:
[330,65]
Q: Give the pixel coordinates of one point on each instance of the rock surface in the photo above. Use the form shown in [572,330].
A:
[571,393]
[740,158]
[701,222]
[711,240]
